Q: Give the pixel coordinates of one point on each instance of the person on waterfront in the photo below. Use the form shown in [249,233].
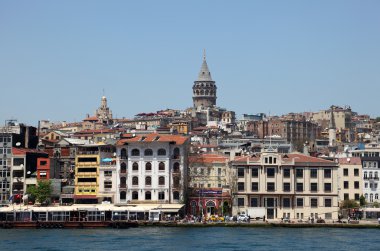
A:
[348,219]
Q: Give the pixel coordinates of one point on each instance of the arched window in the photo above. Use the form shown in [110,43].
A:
[176,152]
[123,182]
[135,195]
[148,152]
[123,195]
[123,153]
[135,166]
[161,180]
[176,167]
[365,175]
[376,196]
[148,166]
[123,167]
[371,197]
[210,203]
[366,196]
[148,181]
[161,166]
[135,152]
[176,195]
[176,181]
[135,181]
[161,152]
[148,195]
[370,175]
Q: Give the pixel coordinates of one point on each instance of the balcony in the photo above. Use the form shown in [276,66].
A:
[371,178]
[123,186]
[175,156]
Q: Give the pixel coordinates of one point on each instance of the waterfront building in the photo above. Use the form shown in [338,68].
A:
[152,168]
[95,174]
[209,184]
[24,169]
[350,179]
[5,165]
[370,157]
[295,186]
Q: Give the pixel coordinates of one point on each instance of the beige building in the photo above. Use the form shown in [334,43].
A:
[209,171]
[350,179]
[295,186]
[342,116]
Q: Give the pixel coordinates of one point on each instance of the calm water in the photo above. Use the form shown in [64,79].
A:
[154,238]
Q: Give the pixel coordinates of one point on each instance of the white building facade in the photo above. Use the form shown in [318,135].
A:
[152,169]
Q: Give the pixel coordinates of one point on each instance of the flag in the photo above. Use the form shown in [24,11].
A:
[10,198]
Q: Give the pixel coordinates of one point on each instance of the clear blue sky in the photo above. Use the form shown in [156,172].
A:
[279,56]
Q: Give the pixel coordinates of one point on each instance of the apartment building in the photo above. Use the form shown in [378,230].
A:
[152,168]
[350,179]
[296,186]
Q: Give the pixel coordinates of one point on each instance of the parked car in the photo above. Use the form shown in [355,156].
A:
[242,217]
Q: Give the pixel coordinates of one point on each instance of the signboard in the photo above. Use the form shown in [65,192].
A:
[208,192]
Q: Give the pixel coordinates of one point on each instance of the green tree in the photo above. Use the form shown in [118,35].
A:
[349,204]
[41,192]
[376,204]
[362,201]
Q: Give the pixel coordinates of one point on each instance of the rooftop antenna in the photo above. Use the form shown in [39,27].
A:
[204,54]
[104,92]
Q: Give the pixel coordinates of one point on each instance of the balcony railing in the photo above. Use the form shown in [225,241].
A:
[371,178]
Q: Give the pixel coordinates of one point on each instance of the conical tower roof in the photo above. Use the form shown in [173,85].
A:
[204,74]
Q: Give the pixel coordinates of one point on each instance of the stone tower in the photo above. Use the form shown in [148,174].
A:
[103,113]
[204,89]
[332,129]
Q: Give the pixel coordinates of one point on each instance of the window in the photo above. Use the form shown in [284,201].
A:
[357,196]
[176,181]
[176,167]
[107,173]
[345,172]
[345,183]
[107,184]
[123,168]
[255,172]
[299,187]
[327,187]
[176,195]
[18,161]
[241,172]
[255,186]
[123,182]
[327,173]
[135,195]
[148,152]
[286,173]
[356,172]
[286,187]
[376,196]
[123,153]
[270,186]
[286,202]
[135,152]
[314,187]
[123,195]
[366,185]
[327,202]
[299,202]
[161,166]
[219,171]
[161,180]
[240,186]
[270,172]
[299,173]
[148,181]
[254,202]
[356,184]
[241,202]
[135,166]
[314,202]
[346,196]
[328,216]
[148,195]
[148,166]
[176,152]
[135,181]
[161,195]
[314,173]
[161,152]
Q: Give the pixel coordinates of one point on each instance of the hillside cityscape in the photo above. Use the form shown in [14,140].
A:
[201,164]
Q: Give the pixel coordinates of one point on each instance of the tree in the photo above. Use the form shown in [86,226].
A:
[362,201]
[41,192]
[376,204]
[346,204]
